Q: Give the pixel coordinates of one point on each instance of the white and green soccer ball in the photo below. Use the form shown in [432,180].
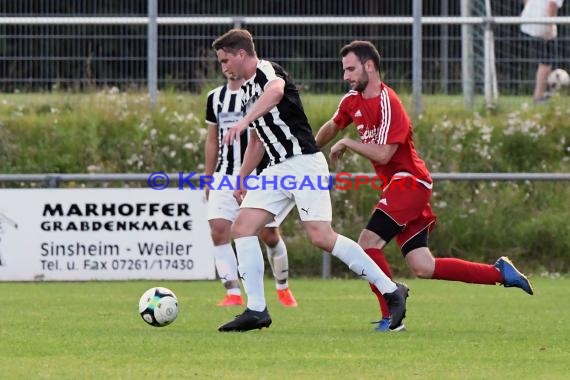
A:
[158,306]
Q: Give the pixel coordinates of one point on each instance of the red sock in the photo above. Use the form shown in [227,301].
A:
[466,271]
[378,257]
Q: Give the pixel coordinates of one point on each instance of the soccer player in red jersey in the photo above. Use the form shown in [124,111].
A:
[403,211]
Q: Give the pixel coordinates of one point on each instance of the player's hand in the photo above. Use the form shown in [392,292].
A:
[549,33]
[337,151]
[233,133]
[239,194]
[207,192]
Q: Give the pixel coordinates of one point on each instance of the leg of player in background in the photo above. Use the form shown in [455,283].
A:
[348,251]
[226,262]
[541,82]
[372,245]
[422,263]
[279,262]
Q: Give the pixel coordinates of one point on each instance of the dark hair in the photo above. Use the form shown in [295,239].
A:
[234,40]
[364,50]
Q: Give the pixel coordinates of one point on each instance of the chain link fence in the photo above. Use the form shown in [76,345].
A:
[40,56]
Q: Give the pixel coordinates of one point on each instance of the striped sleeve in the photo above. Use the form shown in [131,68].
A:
[210,112]
[394,123]
[265,73]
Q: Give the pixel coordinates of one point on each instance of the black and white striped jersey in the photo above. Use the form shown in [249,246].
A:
[224,108]
[284,130]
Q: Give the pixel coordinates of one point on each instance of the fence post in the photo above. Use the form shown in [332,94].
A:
[417,58]
[238,23]
[444,43]
[53,181]
[467,68]
[490,84]
[152,53]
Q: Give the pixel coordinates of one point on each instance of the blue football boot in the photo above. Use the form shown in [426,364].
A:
[383,325]
[511,276]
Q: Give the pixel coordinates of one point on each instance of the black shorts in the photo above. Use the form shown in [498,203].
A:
[540,50]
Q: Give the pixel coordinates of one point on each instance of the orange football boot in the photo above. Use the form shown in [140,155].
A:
[231,300]
[286,298]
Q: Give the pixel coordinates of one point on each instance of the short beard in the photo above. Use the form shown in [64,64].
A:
[361,84]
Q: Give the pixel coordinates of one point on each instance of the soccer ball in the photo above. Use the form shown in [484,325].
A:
[158,306]
[558,79]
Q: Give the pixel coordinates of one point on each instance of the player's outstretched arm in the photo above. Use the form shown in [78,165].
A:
[271,96]
[380,153]
[251,159]
[326,133]
[252,156]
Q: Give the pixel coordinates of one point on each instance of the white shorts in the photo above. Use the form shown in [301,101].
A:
[223,205]
[313,201]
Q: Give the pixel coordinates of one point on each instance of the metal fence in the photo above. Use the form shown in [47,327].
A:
[43,56]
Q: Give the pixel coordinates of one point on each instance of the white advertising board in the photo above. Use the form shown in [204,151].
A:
[104,234]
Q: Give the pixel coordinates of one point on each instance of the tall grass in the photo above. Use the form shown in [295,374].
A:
[110,131]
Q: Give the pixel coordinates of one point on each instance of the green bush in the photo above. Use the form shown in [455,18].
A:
[112,132]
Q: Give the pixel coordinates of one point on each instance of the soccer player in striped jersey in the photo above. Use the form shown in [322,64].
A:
[274,110]
[403,211]
[222,160]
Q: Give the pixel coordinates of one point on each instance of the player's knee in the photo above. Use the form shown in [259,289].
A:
[270,236]
[240,229]
[369,239]
[219,238]
[220,232]
[421,263]
[320,242]
[421,271]
[321,235]
[243,227]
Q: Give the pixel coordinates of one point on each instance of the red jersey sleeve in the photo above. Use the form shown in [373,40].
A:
[342,117]
[394,121]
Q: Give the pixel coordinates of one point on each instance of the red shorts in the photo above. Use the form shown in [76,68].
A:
[406,202]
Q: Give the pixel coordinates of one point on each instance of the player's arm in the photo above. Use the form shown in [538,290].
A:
[551,8]
[272,94]
[251,159]
[211,153]
[340,120]
[394,132]
[252,156]
[327,133]
[211,149]
[380,153]
[551,11]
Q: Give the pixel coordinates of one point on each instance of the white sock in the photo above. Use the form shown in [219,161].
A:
[233,292]
[279,262]
[251,268]
[358,261]
[226,265]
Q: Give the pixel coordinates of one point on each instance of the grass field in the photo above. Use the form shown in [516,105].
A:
[455,331]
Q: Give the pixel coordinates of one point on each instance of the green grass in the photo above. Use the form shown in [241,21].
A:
[455,331]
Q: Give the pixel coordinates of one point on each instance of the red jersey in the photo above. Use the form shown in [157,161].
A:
[383,120]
